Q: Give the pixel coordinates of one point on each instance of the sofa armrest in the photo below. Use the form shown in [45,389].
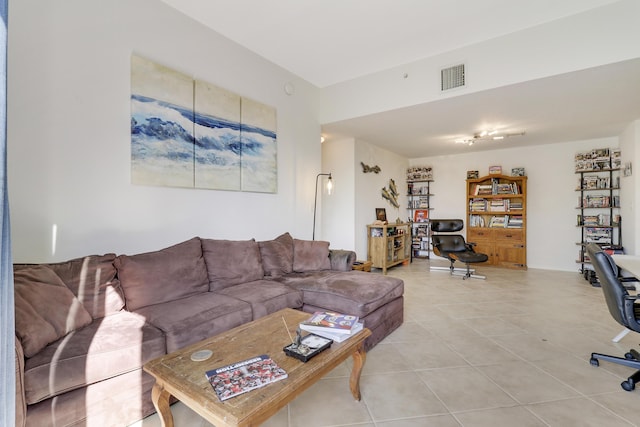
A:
[341,259]
[21,401]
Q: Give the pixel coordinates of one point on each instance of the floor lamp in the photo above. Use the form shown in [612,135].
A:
[315,203]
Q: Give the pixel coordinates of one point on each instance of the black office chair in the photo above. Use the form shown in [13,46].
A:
[454,248]
[622,307]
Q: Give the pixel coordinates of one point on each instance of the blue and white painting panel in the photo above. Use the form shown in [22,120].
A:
[217,138]
[162,122]
[259,148]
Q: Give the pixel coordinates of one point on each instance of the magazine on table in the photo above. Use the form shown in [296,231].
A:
[241,377]
[340,337]
[337,323]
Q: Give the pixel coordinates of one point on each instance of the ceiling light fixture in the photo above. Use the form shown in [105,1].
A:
[487,135]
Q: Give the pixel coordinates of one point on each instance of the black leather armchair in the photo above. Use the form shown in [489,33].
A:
[623,309]
[453,246]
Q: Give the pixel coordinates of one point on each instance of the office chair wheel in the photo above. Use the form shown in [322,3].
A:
[594,362]
[628,385]
[629,356]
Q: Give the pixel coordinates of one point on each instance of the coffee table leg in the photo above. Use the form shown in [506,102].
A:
[359,358]
[160,398]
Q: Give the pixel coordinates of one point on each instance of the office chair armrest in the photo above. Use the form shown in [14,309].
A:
[470,246]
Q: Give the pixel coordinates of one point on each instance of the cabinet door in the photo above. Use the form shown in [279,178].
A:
[378,252]
[510,248]
[486,247]
[510,255]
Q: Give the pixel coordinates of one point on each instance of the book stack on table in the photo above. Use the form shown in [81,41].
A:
[335,326]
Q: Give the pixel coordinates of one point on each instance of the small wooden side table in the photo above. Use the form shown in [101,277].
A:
[362,266]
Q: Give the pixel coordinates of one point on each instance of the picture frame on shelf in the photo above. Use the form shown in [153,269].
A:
[421,215]
[495,170]
[517,171]
[381,214]
[472,174]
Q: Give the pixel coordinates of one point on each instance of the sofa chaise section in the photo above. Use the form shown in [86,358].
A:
[328,283]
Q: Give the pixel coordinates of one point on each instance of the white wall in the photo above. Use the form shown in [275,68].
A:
[368,189]
[629,186]
[551,197]
[597,37]
[338,209]
[69,124]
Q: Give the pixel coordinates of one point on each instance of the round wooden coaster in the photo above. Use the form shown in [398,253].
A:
[201,355]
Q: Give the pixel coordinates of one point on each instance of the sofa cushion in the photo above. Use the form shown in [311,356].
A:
[265,296]
[230,262]
[108,347]
[155,277]
[352,292]
[93,280]
[115,402]
[310,255]
[192,319]
[277,255]
[45,309]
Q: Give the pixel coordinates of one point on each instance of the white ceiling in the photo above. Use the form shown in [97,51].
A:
[331,41]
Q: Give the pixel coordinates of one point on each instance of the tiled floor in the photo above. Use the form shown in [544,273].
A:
[512,350]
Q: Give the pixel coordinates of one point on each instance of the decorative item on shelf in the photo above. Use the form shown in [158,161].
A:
[627,169]
[421,215]
[315,200]
[517,171]
[597,159]
[420,173]
[381,215]
[367,168]
[472,174]
[495,170]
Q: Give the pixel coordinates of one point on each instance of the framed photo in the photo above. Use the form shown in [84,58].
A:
[381,214]
[517,172]
[472,174]
[495,170]
[421,215]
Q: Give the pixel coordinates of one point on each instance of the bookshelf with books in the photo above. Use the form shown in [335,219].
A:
[388,244]
[497,219]
[419,195]
[598,203]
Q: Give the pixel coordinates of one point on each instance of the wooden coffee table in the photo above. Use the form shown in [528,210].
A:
[178,376]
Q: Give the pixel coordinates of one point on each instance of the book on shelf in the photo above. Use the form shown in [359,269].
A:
[514,222]
[483,189]
[329,321]
[337,337]
[596,201]
[240,377]
[421,215]
[498,221]
[476,221]
[598,235]
[478,205]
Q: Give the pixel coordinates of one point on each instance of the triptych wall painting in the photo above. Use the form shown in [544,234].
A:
[189,133]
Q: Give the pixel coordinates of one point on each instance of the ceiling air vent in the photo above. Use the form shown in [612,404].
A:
[452,77]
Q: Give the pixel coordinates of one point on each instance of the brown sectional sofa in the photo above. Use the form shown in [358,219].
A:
[85,327]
